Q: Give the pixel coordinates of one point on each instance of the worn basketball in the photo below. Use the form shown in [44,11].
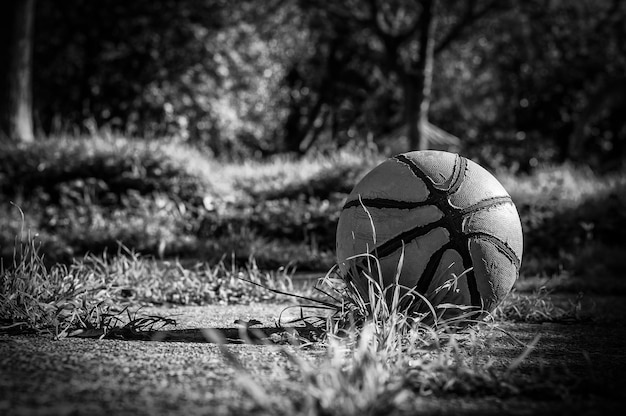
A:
[439,224]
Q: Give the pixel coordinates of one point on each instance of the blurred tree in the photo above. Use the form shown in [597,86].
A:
[521,82]
[562,67]
[536,80]
[605,88]
[16,23]
[400,38]
[205,71]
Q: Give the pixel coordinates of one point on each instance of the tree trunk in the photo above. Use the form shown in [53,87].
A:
[418,101]
[412,111]
[16,118]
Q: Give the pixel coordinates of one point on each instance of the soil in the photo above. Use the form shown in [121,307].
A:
[582,366]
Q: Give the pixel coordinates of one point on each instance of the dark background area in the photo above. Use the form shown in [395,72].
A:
[156,152]
[519,82]
[204,128]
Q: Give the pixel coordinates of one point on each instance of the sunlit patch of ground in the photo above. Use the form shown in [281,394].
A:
[577,366]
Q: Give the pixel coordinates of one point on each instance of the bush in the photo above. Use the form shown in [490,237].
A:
[89,195]
[95,171]
[166,199]
[565,212]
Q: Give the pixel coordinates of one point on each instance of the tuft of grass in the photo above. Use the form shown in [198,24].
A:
[538,307]
[380,351]
[352,375]
[380,355]
[91,291]
[386,346]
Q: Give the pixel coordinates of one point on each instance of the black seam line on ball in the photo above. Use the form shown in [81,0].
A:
[485,204]
[430,185]
[458,175]
[428,274]
[451,221]
[386,203]
[503,247]
[429,271]
[462,247]
[475,298]
[393,244]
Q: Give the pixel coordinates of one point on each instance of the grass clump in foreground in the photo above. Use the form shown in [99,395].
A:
[539,307]
[382,352]
[376,356]
[92,292]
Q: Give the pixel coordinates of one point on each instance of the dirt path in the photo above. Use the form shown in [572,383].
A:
[110,377]
[98,377]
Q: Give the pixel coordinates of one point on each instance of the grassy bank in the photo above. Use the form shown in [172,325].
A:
[388,363]
[168,200]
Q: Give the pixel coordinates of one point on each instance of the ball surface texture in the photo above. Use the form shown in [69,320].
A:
[438,224]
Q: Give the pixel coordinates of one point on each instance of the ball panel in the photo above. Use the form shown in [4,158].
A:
[378,184]
[449,284]
[346,236]
[389,223]
[501,221]
[356,236]
[495,273]
[438,166]
[416,256]
[477,185]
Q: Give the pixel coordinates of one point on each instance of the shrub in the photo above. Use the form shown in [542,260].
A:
[165,198]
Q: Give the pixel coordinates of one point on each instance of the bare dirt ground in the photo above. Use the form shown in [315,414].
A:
[583,368]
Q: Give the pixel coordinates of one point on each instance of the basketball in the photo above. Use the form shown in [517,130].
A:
[438,224]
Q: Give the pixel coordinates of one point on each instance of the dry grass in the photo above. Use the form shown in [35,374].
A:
[379,352]
[168,199]
[379,355]
[91,292]
[563,185]
[539,307]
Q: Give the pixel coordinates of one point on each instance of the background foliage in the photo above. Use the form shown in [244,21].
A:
[204,128]
[166,199]
[526,83]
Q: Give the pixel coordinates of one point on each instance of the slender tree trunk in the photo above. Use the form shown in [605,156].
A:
[419,101]
[16,118]
[412,110]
